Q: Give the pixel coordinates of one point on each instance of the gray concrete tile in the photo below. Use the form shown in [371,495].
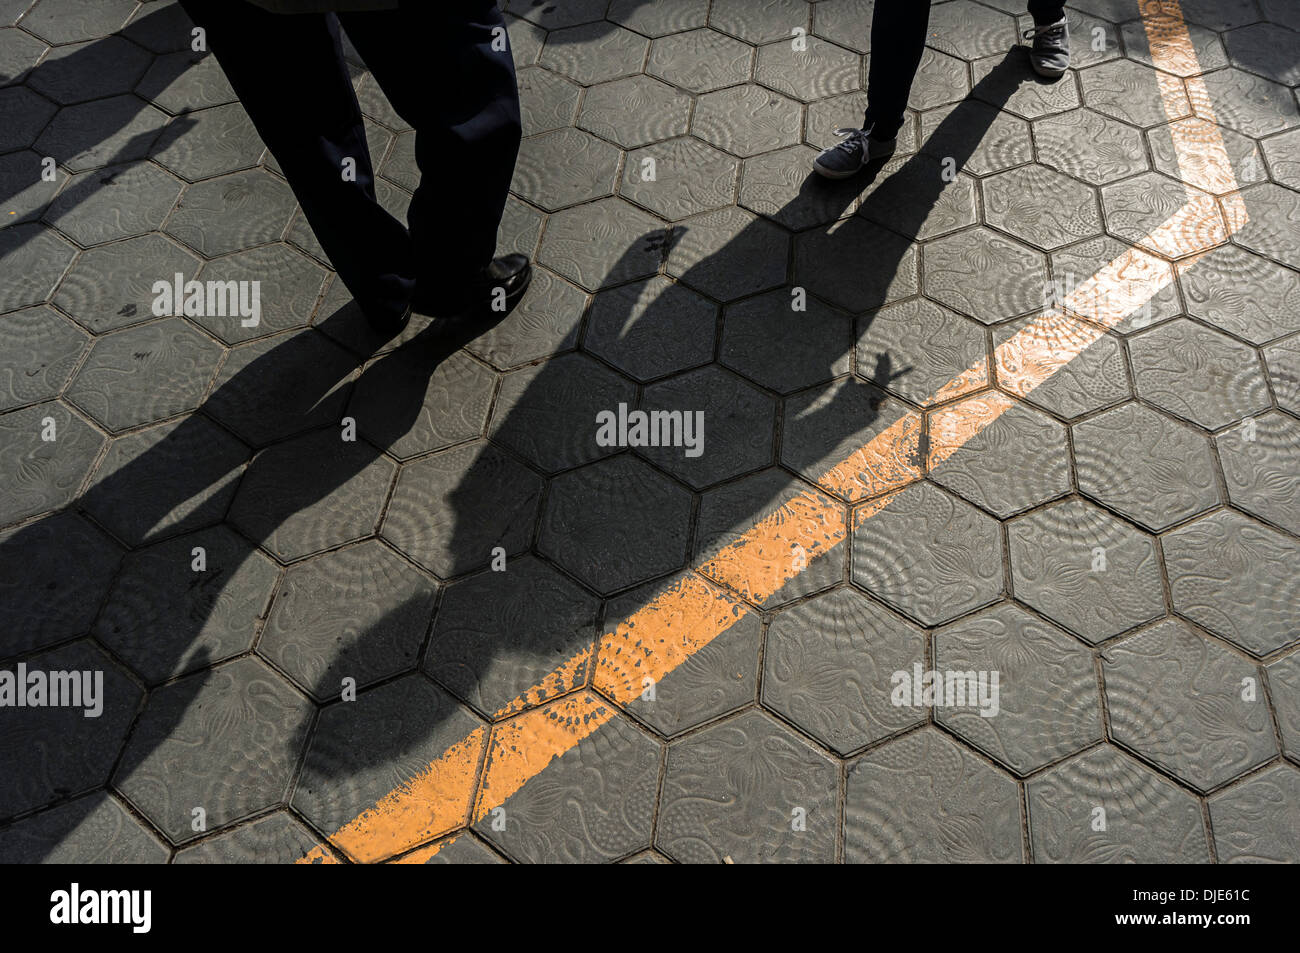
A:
[700,60]
[121,201]
[1257,821]
[1097,378]
[111,286]
[1179,700]
[95,829]
[1033,97]
[1261,466]
[1282,153]
[1085,570]
[1249,104]
[209,142]
[1090,147]
[751,790]
[47,450]
[1123,89]
[759,22]
[165,618]
[818,70]
[500,633]
[651,328]
[786,350]
[592,512]
[1284,690]
[232,213]
[845,22]
[594,53]
[929,555]
[1124,458]
[544,322]
[1045,208]
[1073,266]
[465,848]
[679,178]
[69,21]
[547,413]
[41,350]
[278,838]
[358,613]
[1231,576]
[829,264]
[36,257]
[106,131]
[1136,209]
[1215,284]
[782,186]
[26,114]
[547,101]
[925,799]
[747,120]
[829,665]
[145,374]
[1283,361]
[184,81]
[729,254]
[917,201]
[94,69]
[1266,49]
[1205,43]
[564,168]
[160,28]
[958,274]
[1245,165]
[31,193]
[969,30]
[1106,807]
[1274,225]
[19,52]
[452,510]
[312,493]
[914,348]
[604,243]
[635,111]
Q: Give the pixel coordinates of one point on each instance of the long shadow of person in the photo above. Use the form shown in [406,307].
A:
[456,513]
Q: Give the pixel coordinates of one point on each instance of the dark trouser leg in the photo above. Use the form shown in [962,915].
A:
[289,73]
[436,63]
[897,41]
[1046,11]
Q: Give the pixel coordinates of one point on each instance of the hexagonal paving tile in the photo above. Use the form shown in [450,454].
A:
[402,726]
[47,450]
[93,829]
[595,802]
[1274,225]
[169,479]
[1283,361]
[53,576]
[1202,169]
[181,757]
[145,374]
[543,323]
[815,71]
[209,142]
[232,212]
[700,60]
[1205,44]
[1284,690]
[923,798]
[29,194]
[748,789]
[184,81]
[846,22]
[565,167]
[65,74]
[679,178]
[1017,461]
[26,114]
[452,510]
[276,839]
[960,272]
[1131,91]
[410,402]
[1266,49]
[1096,378]
[117,202]
[1076,265]
[761,21]
[968,30]
[111,286]
[1032,98]
[481,653]
[659,19]
[1282,153]
[41,349]
[1198,374]
[1226,14]
[732,432]
[782,186]
[63,21]
[312,493]
[1259,460]
[1251,105]
[461,848]
[864,645]
[919,201]
[1104,806]
[37,256]
[1103,38]
[1176,698]
[729,254]
[1090,146]
[1138,208]
[594,52]
[1146,466]
[161,29]
[1046,705]
[547,101]
[825,429]
[359,613]
[107,131]
[76,752]
[635,111]
[930,555]
[1256,821]
[606,242]
[555,17]
[550,413]
[19,52]
[1085,570]
[170,613]
[775,346]
[651,328]
[1243,294]
[747,120]
[592,512]
[765,572]
[1233,576]
[829,263]
[915,349]
[1045,208]
[718,678]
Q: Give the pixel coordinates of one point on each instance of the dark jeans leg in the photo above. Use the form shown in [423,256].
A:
[897,42]
[289,73]
[436,63]
[1047,11]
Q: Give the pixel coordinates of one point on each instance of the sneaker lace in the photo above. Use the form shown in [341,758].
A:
[853,139]
[1049,31]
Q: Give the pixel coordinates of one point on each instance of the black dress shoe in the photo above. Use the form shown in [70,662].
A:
[510,273]
[390,325]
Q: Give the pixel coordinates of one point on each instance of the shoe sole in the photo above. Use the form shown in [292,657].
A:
[1047,72]
[834,173]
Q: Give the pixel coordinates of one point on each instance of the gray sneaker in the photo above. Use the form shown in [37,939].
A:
[847,158]
[1050,55]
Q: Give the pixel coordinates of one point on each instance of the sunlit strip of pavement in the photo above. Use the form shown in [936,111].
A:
[448,795]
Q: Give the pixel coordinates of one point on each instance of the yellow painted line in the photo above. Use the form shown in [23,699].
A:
[688,615]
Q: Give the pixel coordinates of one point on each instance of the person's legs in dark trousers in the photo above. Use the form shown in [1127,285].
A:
[1046,11]
[437,64]
[898,29]
[289,73]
